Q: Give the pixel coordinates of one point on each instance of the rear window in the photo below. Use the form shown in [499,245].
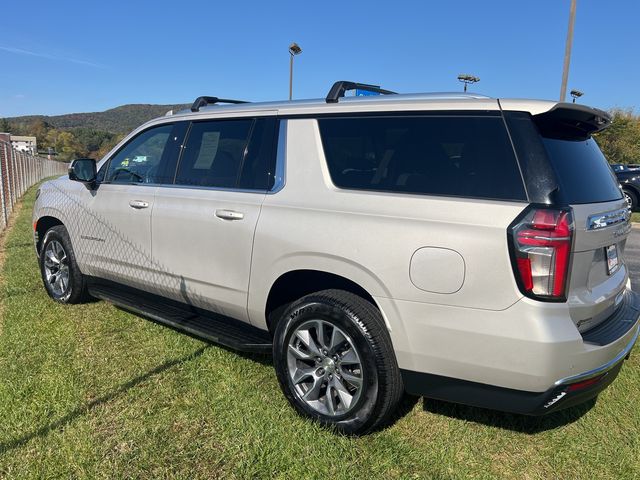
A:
[583,173]
[462,156]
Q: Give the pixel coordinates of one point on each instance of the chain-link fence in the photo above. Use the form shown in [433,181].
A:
[18,172]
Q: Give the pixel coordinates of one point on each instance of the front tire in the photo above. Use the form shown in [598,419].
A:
[60,273]
[335,362]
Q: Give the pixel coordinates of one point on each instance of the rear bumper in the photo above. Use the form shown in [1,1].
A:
[565,393]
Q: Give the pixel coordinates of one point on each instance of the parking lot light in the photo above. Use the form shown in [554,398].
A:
[576,94]
[294,49]
[467,79]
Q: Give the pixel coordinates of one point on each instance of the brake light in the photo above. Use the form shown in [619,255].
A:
[541,249]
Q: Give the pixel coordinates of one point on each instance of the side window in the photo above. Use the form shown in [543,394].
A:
[214,153]
[258,168]
[143,159]
[463,156]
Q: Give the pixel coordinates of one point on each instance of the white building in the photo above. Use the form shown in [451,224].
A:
[25,144]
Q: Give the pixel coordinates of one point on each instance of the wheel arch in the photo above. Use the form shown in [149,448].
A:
[633,187]
[292,283]
[40,227]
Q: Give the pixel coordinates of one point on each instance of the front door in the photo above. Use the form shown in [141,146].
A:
[115,239]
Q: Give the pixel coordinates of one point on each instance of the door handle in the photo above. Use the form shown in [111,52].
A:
[229,215]
[138,204]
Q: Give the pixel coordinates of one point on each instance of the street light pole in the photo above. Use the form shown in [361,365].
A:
[294,49]
[291,77]
[567,51]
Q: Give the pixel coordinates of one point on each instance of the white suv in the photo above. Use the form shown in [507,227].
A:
[454,246]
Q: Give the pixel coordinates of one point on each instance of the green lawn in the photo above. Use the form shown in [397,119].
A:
[92,391]
[635,217]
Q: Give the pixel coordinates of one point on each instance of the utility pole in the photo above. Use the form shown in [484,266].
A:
[567,51]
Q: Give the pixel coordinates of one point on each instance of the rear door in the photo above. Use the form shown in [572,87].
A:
[203,225]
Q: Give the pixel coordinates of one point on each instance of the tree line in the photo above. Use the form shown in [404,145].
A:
[66,144]
[620,142]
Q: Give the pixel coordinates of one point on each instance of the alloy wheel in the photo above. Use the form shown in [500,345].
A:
[56,268]
[325,367]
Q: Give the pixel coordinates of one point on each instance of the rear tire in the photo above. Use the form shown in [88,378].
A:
[335,362]
[632,199]
[59,270]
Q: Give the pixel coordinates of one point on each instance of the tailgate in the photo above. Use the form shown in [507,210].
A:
[598,274]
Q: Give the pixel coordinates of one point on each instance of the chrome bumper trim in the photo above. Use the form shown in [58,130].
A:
[603,368]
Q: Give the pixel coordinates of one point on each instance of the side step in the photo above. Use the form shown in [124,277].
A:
[200,323]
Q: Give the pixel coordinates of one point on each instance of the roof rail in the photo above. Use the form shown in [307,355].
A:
[204,101]
[339,88]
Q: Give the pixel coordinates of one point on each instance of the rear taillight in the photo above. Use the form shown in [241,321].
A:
[540,247]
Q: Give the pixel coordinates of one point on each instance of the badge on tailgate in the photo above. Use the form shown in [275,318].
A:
[604,220]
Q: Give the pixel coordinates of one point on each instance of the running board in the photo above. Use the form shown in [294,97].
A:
[206,325]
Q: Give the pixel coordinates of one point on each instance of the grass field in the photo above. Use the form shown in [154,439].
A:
[635,217]
[92,391]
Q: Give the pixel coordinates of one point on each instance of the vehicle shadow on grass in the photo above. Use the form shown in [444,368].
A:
[508,421]
[89,406]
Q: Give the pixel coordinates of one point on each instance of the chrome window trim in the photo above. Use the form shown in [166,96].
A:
[190,187]
[278,185]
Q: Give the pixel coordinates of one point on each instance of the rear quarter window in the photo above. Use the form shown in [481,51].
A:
[449,155]
[560,165]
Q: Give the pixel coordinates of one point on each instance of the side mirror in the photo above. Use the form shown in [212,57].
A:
[83,170]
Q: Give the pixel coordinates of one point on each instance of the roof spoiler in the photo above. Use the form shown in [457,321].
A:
[568,120]
[339,88]
[204,101]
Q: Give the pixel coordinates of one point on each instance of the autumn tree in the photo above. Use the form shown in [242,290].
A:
[65,144]
[620,142]
[39,129]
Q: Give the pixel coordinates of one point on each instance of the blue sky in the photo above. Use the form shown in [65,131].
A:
[79,56]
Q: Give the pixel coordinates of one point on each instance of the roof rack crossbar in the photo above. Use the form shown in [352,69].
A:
[204,101]
[339,88]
